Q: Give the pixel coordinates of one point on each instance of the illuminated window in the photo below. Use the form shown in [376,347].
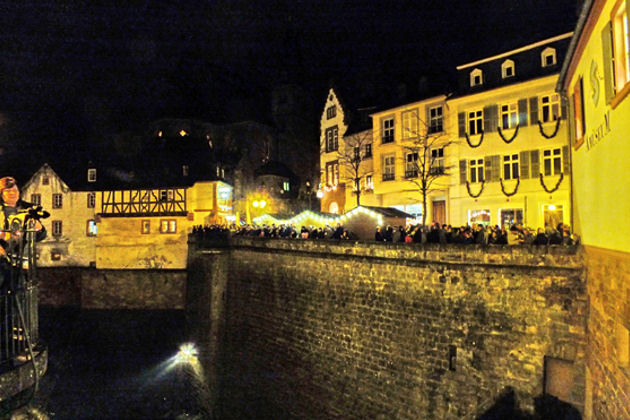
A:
[145,226]
[550,107]
[369,183]
[389,166]
[332,139]
[511,217]
[91,200]
[159,133]
[578,111]
[286,186]
[510,166]
[507,69]
[185,169]
[616,50]
[166,195]
[387,127]
[57,201]
[509,116]
[476,170]
[332,173]
[57,228]
[168,226]
[411,166]
[368,151]
[91,175]
[91,228]
[476,78]
[331,112]
[409,125]
[552,162]
[437,161]
[548,57]
[436,119]
[479,217]
[183,132]
[36,199]
[475,122]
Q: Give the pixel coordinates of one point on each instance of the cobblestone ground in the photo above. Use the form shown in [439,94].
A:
[107,364]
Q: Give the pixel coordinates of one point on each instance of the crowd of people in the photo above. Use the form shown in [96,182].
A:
[477,234]
[435,233]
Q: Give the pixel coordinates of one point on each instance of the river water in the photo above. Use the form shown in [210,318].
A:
[114,364]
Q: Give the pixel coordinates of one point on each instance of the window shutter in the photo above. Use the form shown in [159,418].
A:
[461,119]
[533,110]
[490,114]
[522,112]
[427,118]
[487,168]
[524,164]
[462,171]
[564,106]
[496,167]
[566,164]
[608,70]
[534,163]
[570,121]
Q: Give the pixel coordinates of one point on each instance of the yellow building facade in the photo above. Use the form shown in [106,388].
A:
[413,145]
[596,80]
[512,154]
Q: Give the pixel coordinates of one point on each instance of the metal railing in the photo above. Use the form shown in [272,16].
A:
[13,339]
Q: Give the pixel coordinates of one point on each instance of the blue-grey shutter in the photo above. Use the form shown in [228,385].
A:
[566,164]
[533,110]
[564,107]
[534,163]
[524,165]
[496,167]
[609,87]
[461,120]
[522,112]
[490,114]
[462,171]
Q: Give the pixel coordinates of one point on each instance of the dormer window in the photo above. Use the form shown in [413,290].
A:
[548,57]
[507,69]
[91,175]
[476,78]
[184,170]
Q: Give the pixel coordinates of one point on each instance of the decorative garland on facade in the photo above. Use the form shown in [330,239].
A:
[476,145]
[542,182]
[480,190]
[511,138]
[507,194]
[552,135]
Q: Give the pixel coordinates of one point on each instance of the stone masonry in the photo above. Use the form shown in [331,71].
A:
[321,330]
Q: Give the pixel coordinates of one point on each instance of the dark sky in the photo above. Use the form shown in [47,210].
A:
[71,70]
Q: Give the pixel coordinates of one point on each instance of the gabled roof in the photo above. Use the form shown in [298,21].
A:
[389,212]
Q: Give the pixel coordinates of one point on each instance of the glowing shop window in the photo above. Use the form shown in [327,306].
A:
[479,217]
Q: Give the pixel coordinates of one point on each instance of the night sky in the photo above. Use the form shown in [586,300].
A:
[73,71]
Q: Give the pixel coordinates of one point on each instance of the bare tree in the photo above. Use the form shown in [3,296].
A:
[424,148]
[351,157]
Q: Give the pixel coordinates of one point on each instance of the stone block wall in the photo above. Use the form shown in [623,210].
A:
[321,330]
[90,288]
[608,370]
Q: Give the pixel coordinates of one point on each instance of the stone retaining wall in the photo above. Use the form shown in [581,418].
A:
[322,329]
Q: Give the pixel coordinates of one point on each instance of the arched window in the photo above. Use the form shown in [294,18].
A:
[333,208]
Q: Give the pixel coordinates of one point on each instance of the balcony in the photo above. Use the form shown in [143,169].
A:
[436,171]
[388,177]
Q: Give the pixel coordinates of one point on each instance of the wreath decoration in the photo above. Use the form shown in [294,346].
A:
[549,191]
[474,145]
[509,194]
[513,135]
[483,183]
[552,135]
